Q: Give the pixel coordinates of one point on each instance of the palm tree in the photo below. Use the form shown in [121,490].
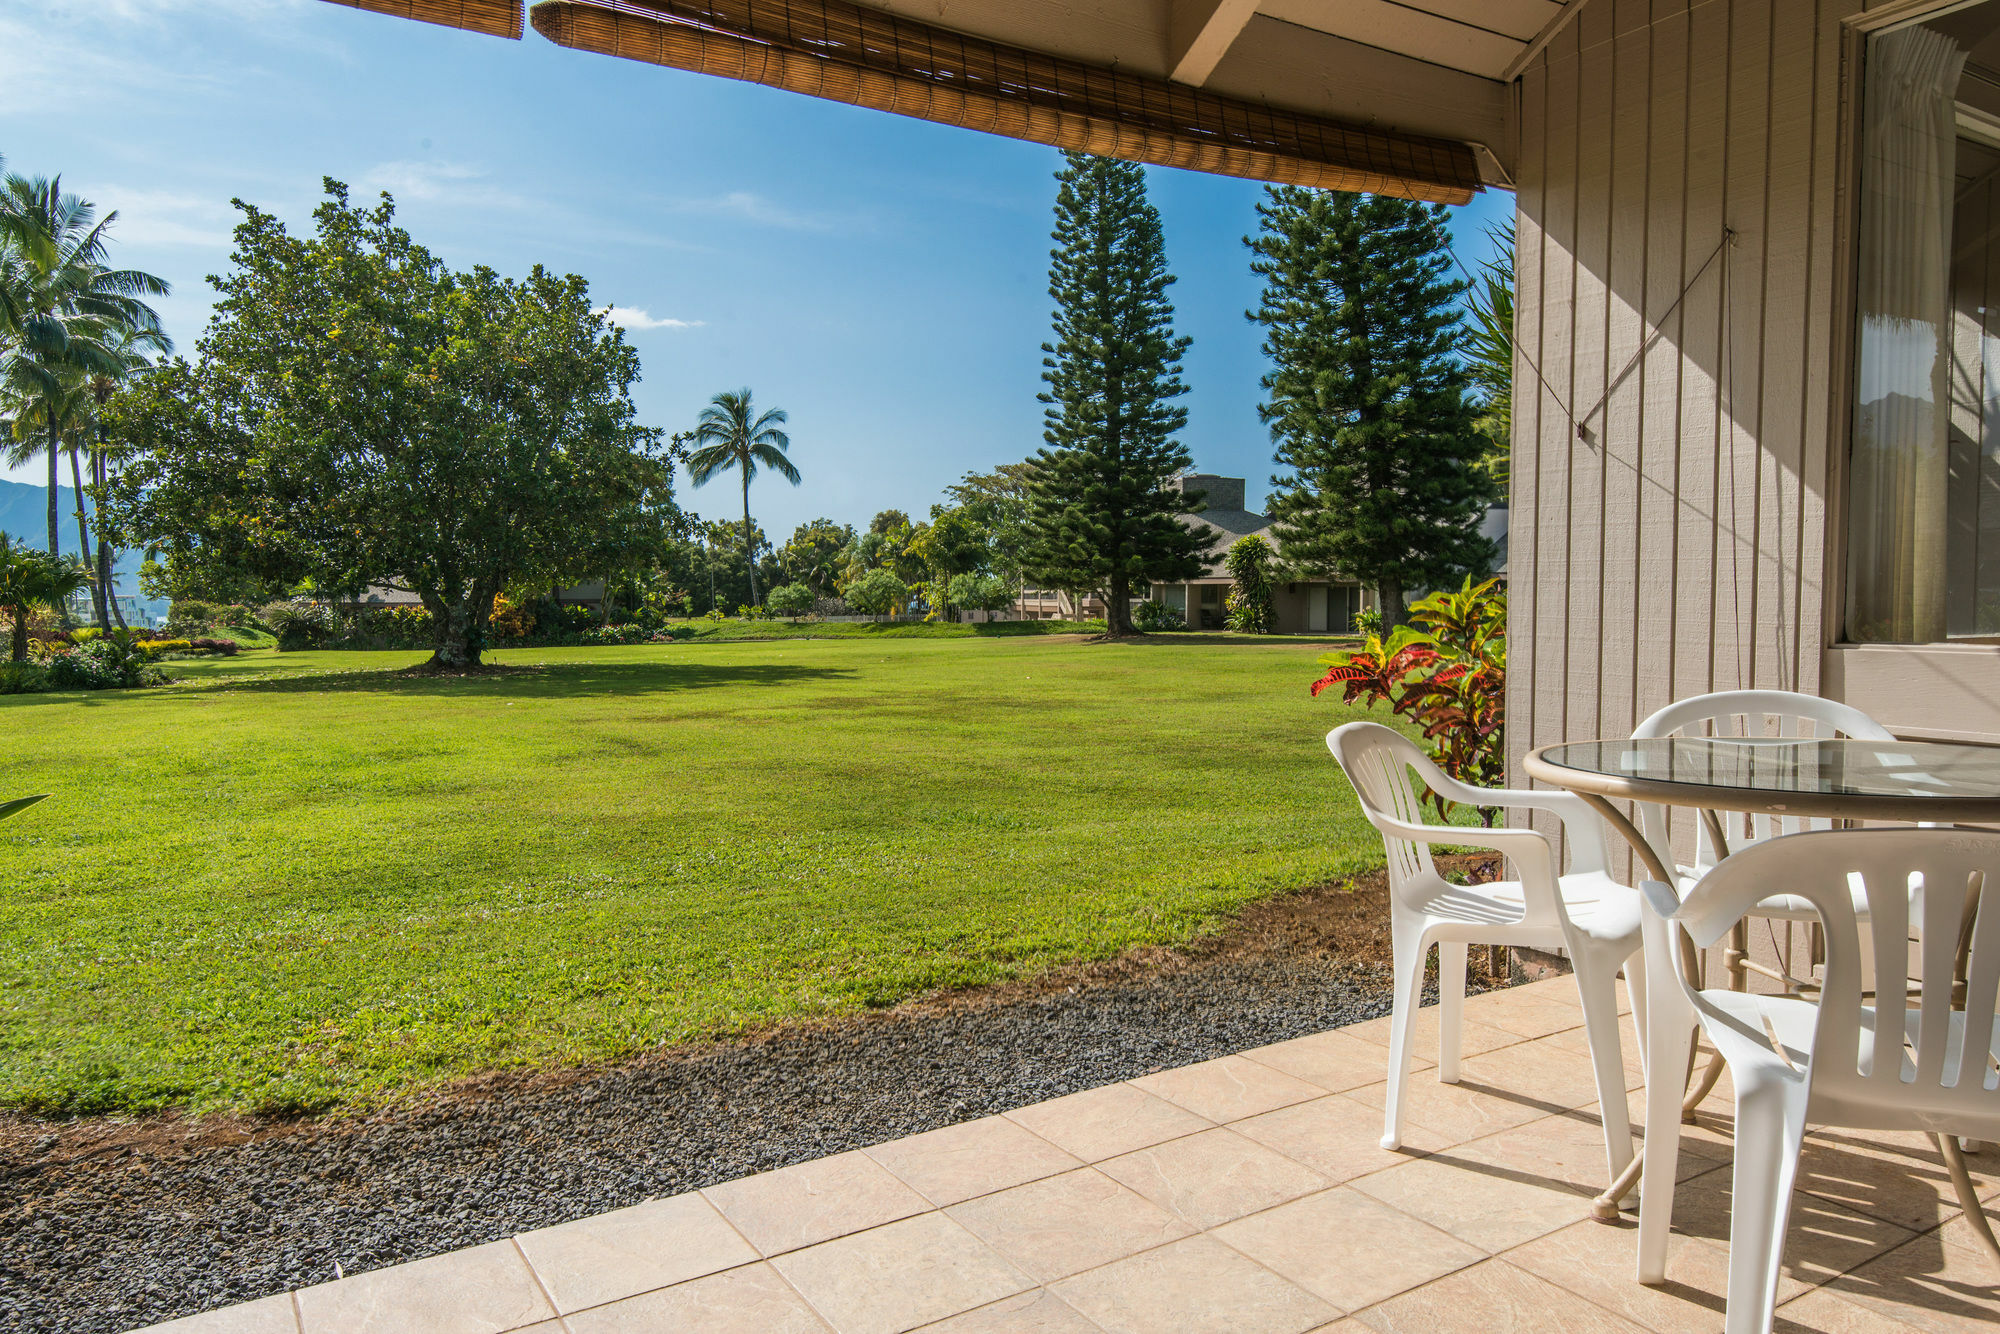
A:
[63,308]
[31,579]
[730,435]
[132,349]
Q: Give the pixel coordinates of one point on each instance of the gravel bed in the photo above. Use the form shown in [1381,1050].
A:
[140,1232]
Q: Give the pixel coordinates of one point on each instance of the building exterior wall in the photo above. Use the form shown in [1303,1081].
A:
[1676,515]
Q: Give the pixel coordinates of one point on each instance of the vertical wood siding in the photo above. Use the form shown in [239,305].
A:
[1675,544]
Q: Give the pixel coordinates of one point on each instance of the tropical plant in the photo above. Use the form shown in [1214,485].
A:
[790,600]
[30,579]
[813,555]
[952,544]
[1250,562]
[1103,512]
[1153,616]
[63,309]
[877,593]
[732,434]
[1446,673]
[1369,398]
[1489,348]
[980,592]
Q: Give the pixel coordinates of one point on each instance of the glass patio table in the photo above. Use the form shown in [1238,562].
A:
[1805,778]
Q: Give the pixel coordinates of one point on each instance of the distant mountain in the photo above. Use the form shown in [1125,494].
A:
[24,516]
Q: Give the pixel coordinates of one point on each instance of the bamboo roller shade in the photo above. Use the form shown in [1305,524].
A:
[845,53]
[501,18]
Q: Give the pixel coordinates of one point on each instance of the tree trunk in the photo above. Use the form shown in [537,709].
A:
[1118,605]
[83,540]
[749,551]
[1389,593]
[459,627]
[20,653]
[98,478]
[55,482]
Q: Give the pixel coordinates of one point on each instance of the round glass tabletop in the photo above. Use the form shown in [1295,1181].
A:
[1770,769]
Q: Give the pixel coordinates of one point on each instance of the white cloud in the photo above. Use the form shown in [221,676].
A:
[164,217]
[62,53]
[456,183]
[633,317]
[755,208]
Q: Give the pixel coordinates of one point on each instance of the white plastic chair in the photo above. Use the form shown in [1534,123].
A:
[1793,1061]
[1586,912]
[1750,714]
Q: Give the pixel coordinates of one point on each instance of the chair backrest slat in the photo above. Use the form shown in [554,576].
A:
[1378,762]
[1982,994]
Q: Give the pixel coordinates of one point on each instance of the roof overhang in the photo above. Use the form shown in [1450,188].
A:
[1408,97]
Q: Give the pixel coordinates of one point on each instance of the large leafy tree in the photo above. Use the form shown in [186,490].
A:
[359,413]
[952,544]
[813,555]
[733,434]
[998,502]
[1368,397]
[65,315]
[1102,512]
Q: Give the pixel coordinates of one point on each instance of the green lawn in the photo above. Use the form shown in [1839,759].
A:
[306,880]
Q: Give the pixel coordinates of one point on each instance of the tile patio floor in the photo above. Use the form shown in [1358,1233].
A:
[1243,1195]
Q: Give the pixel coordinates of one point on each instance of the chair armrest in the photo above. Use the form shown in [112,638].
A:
[1530,849]
[1588,849]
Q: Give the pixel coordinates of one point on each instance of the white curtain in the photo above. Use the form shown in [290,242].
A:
[1897,520]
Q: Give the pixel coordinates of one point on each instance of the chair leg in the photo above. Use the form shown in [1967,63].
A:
[1635,987]
[1770,1124]
[1410,947]
[1669,1040]
[1597,984]
[1451,1008]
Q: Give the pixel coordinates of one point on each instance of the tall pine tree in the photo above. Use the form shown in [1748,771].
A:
[1368,400]
[1103,510]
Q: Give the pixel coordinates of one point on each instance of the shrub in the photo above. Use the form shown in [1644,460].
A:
[111,662]
[1250,564]
[153,648]
[511,620]
[220,647]
[1158,616]
[980,592]
[191,611]
[878,593]
[793,600]
[299,623]
[633,633]
[23,678]
[1368,621]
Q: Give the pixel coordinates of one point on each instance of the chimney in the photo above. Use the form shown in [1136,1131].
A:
[1223,493]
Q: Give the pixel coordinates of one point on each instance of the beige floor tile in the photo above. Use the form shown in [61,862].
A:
[1548,1071]
[1347,1248]
[1490,1207]
[1599,1261]
[630,1251]
[1459,1112]
[267,1315]
[1492,1298]
[1958,1232]
[1537,1018]
[1196,1286]
[1823,1239]
[900,1276]
[1901,1177]
[1065,1224]
[1213,1177]
[1477,1039]
[1927,1284]
[1575,1041]
[1823,1312]
[974,1158]
[750,1300]
[480,1290]
[813,1202]
[1565,1150]
[1104,1122]
[1334,1061]
[1336,1136]
[1034,1312]
[1228,1088]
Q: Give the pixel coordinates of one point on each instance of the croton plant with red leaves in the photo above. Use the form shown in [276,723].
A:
[1446,673]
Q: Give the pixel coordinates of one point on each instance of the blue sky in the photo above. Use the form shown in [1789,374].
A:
[882,279]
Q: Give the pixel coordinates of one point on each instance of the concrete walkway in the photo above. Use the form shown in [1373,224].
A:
[1244,1195]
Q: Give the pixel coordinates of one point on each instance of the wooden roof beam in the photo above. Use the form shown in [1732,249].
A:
[1199,35]
[496,18]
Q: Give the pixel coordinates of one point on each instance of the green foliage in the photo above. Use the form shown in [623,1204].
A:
[1449,677]
[813,555]
[23,678]
[1102,512]
[31,580]
[878,593]
[981,592]
[299,623]
[1489,347]
[998,502]
[360,413]
[951,545]
[117,661]
[790,600]
[1153,615]
[1368,398]
[1368,621]
[1251,562]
